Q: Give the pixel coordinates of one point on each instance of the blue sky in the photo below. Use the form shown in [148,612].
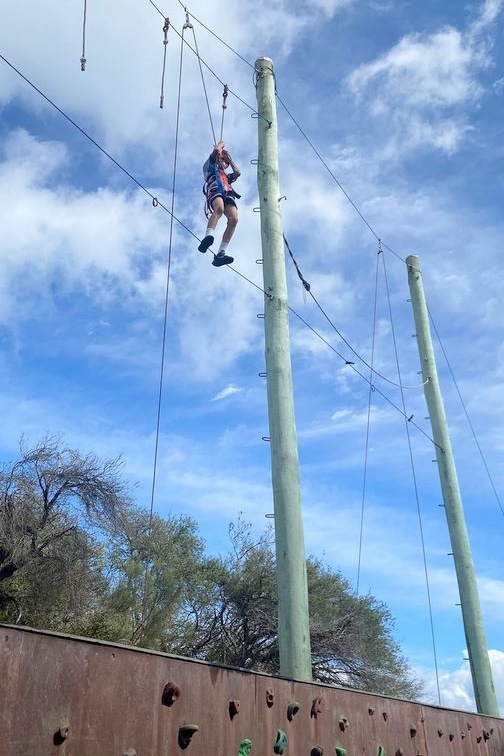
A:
[404,103]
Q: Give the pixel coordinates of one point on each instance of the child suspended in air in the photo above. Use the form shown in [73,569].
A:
[220,200]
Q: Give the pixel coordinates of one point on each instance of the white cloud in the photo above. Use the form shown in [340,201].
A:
[419,72]
[421,87]
[228,391]
[490,11]
[456,687]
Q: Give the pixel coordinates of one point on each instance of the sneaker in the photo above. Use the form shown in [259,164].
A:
[222,259]
[207,242]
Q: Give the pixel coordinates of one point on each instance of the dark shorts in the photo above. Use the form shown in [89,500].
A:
[228,200]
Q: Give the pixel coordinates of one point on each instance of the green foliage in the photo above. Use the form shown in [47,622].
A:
[76,556]
[153,562]
[53,502]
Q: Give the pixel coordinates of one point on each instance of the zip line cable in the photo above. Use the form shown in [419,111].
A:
[338,183]
[352,366]
[326,316]
[415,487]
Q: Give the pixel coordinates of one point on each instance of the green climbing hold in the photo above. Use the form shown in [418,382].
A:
[281,742]
[340,751]
[245,747]
[381,751]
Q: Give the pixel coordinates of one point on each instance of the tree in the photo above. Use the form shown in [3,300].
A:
[351,637]
[52,502]
[153,561]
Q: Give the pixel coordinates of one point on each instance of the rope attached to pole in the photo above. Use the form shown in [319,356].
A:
[83,56]
[165,43]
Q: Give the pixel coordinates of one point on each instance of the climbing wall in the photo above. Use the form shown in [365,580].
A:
[65,696]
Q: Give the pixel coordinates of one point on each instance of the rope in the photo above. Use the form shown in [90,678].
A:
[224,106]
[326,316]
[83,56]
[352,366]
[165,45]
[468,418]
[165,325]
[415,486]
[188,25]
[368,424]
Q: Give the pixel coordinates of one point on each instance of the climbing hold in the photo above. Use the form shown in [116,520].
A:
[245,747]
[292,710]
[234,708]
[399,752]
[462,734]
[440,733]
[381,751]
[385,716]
[171,692]
[316,707]
[478,739]
[412,730]
[340,751]
[281,742]
[486,735]
[343,724]
[61,733]
[370,711]
[451,736]
[317,751]
[185,734]
[270,697]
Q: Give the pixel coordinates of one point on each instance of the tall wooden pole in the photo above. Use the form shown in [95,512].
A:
[293,619]
[486,700]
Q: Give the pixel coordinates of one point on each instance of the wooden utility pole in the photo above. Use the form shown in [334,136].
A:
[293,619]
[484,691]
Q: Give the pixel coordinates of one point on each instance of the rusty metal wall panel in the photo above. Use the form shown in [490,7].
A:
[64,696]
